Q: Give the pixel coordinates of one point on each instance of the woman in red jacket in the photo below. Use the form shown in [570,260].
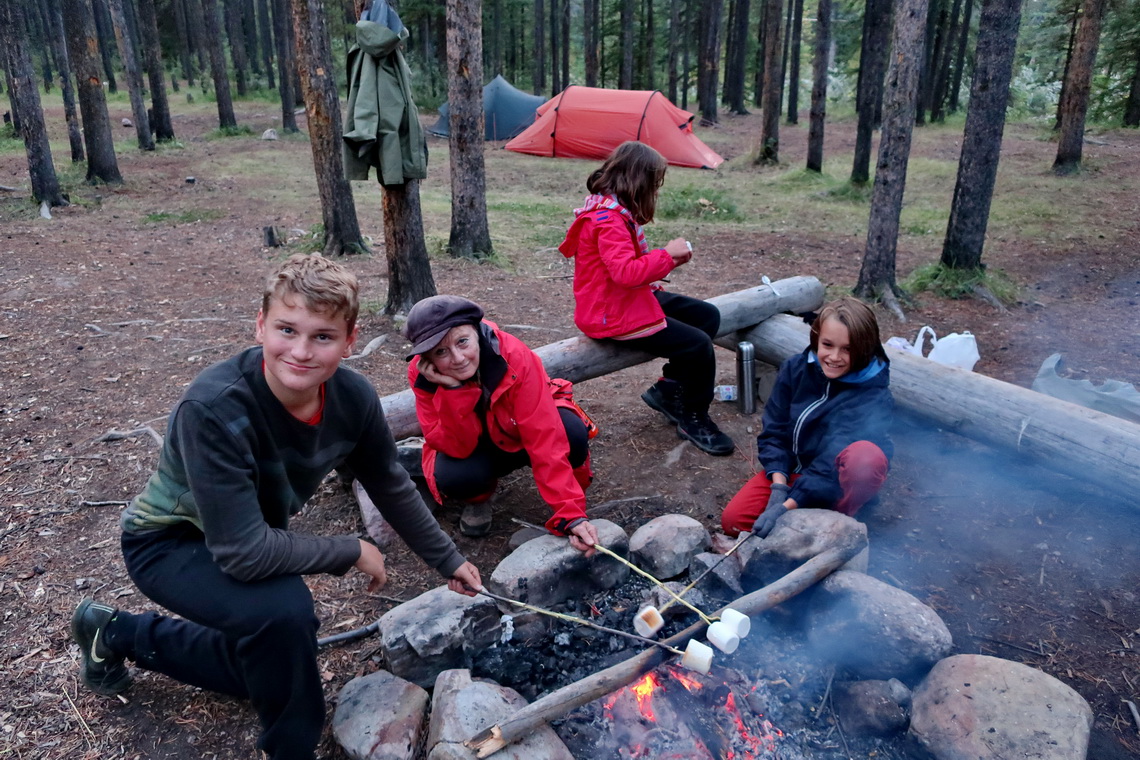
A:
[616,296]
[487,408]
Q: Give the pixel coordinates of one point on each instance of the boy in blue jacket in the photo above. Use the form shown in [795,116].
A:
[825,441]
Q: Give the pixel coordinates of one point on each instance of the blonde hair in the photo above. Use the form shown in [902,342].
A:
[324,286]
[862,330]
[633,174]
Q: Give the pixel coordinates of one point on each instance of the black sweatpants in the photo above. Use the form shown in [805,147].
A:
[256,641]
[477,474]
[687,342]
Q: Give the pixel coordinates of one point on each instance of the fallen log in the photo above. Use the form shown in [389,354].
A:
[493,739]
[1086,444]
[578,359]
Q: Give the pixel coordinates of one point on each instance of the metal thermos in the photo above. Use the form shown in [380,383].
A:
[746,376]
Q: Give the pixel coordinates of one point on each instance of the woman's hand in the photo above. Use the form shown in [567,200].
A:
[465,580]
[428,370]
[371,563]
[680,250]
[583,536]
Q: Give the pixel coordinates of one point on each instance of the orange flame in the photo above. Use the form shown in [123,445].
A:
[643,693]
[689,683]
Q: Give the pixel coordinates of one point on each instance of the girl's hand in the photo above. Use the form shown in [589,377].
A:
[428,370]
[680,250]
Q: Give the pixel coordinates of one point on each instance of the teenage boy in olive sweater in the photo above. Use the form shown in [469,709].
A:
[246,446]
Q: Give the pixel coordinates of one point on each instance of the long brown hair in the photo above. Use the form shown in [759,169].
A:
[633,174]
[862,329]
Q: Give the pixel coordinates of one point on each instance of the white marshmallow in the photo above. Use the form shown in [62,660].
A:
[648,621]
[723,636]
[698,657]
[740,622]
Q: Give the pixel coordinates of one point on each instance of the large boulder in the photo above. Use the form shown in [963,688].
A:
[974,707]
[798,536]
[665,545]
[380,717]
[875,630]
[547,570]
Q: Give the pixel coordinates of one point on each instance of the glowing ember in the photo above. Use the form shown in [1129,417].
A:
[689,683]
[643,692]
[756,744]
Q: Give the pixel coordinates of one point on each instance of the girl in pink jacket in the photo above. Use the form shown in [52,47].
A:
[617,298]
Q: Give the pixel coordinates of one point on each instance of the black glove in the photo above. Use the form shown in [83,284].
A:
[773,512]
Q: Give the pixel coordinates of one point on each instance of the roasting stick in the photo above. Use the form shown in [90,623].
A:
[712,567]
[578,620]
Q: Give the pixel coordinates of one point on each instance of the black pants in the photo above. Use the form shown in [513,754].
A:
[476,475]
[687,342]
[255,641]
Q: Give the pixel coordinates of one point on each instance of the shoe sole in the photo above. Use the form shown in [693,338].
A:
[117,686]
[652,404]
[714,452]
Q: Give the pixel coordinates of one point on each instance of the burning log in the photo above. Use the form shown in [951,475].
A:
[1083,443]
[560,702]
[578,359]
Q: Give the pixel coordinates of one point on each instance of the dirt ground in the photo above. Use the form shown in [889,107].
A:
[108,310]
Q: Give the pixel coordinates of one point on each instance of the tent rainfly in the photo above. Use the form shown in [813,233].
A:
[589,122]
[507,111]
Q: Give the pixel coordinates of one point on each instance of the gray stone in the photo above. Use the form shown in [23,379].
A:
[437,630]
[724,580]
[269,134]
[547,570]
[522,535]
[984,708]
[380,717]
[462,707]
[873,629]
[798,536]
[872,708]
[665,545]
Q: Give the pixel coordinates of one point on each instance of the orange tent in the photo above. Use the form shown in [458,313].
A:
[589,122]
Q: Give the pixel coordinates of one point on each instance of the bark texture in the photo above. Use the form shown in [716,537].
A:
[160,122]
[819,86]
[409,269]
[869,96]
[1132,107]
[82,49]
[736,56]
[322,109]
[797,7]
[213,32]
[708,58]
[67,84]
[981,144]
[1075,99]
[877,274]
[769,149]
[286,64]
[128,52]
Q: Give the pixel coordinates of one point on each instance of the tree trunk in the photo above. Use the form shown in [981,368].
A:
[152,54]
[409,269]
[819,86]
[960,64]
[286,64]
[935,35]
[37,25]
[248,18]
[942,67]
[625,74]
[1073,24]
[1132,107]
[183,34]
[769,150]
[735,62]
[686,50]
[236,38]
[649,48]
[1075,105]
[265,27]
[26,101]
[470,237]
[671,57]
[213,32]
[877,275]
[8,80]
[708,61]
[102,165]
[104,35]
[761,35]
[67,84]
[322,110]
[981,144]
[794,69]
[869,96]
[539,84]
[590,41]
[565,43]
[555,70]
[130,58]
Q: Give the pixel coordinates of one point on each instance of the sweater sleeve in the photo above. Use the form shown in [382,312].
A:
[222,481]
[626,267]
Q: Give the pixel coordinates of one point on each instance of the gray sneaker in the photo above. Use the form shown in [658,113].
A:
[476,519]
[103,671]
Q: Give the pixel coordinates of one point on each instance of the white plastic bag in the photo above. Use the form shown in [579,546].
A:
[954,350]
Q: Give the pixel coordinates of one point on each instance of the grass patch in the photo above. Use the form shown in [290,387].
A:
[184,217]
[314,242]
[849,192]
[10,142]
[241,130]
[691,202]
[961,283]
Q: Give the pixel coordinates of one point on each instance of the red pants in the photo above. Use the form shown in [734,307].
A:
[862,469]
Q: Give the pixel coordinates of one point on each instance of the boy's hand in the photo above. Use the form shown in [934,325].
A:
[428,370]
[583,536]
[465,578]
[371,563]
[680,250]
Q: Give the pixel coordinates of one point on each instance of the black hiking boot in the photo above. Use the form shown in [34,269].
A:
[410,455]
[702,432]
[665,397]
[103,671]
